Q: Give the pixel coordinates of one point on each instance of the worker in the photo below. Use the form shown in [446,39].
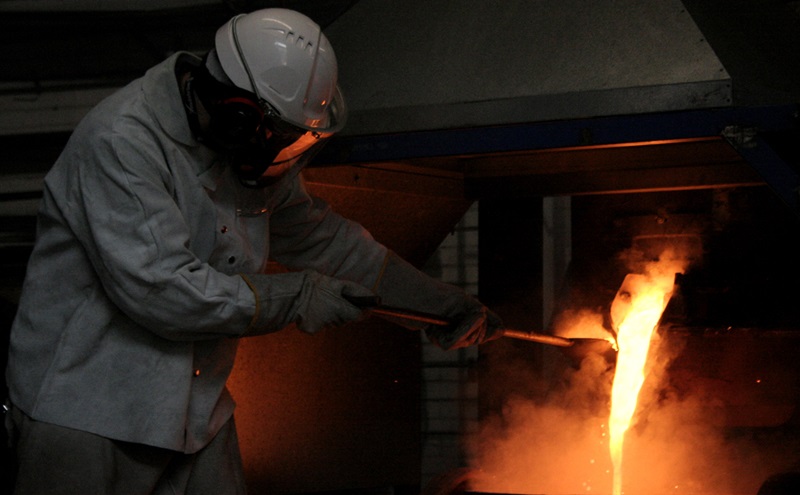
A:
[154,231]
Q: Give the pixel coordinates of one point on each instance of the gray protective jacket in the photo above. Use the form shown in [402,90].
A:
[132,300]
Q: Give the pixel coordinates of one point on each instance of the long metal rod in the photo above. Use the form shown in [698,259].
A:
[409,315]
[506,332]
[538,337]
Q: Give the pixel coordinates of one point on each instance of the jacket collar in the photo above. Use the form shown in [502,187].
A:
[162,92]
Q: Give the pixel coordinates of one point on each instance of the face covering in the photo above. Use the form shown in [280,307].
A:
[261,145]
[264,159]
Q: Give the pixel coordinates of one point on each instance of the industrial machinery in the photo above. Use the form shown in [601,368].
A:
[661,127]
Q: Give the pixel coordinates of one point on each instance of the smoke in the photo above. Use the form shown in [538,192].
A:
[554,446]
[676,446]
[580,323]
[557,442]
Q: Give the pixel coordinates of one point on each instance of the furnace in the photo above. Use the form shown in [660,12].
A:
[671,136]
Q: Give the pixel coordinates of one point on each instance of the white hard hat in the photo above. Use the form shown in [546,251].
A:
[284,58]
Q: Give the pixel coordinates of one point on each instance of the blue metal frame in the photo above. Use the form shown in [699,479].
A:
[781,175]
[555,134]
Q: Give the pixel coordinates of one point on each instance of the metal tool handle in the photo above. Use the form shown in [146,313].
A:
[538,337]
[372,304]
[409,315]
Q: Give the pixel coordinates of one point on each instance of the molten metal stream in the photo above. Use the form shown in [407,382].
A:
[643,303]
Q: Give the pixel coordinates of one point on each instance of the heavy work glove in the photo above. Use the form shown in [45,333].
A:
[309,299]
[403,286]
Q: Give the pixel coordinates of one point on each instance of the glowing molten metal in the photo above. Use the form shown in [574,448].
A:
[636,311]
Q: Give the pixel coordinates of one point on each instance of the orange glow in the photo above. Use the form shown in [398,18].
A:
[636,312]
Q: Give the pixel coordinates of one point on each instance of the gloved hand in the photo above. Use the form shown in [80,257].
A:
[403,286]
[309,299]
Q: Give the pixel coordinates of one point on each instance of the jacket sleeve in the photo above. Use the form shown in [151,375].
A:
[305,233]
